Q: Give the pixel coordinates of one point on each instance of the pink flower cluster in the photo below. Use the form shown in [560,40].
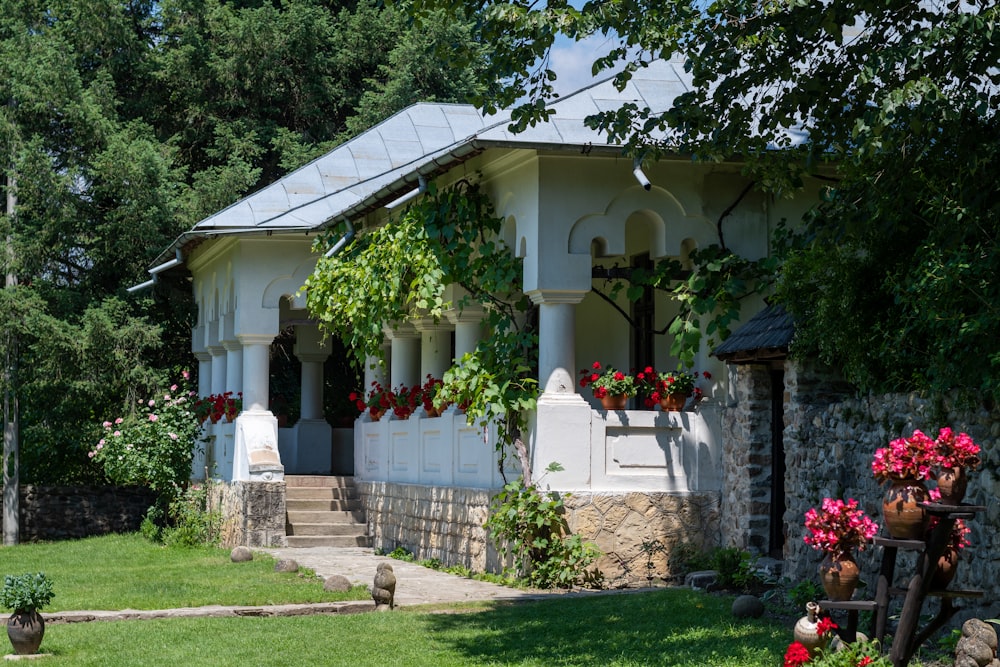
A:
[918,456]
[959,538]
[906,458]
[838,526]
[956,451]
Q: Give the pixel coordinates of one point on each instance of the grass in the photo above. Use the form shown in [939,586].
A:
[674,628]
[129,572]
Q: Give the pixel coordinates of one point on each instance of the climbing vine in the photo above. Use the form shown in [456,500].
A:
[400,271]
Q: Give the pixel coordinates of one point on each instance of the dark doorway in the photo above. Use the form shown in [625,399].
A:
[776,537]
[643,313]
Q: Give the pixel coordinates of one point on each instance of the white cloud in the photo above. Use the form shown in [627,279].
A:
[573,62]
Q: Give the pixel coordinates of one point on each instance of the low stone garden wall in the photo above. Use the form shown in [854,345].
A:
[72,512]
[447,524]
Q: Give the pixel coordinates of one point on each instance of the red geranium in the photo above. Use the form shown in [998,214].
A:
[796,655]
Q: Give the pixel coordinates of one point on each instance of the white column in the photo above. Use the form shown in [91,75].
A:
[468,329]
[405,350]
[256,456]
[234,365]
[312,442]
[435,347]
[256,371]
[201,353]
[309,349]
[375,369]
[557,345]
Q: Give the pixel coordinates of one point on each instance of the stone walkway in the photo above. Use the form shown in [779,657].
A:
[415,584]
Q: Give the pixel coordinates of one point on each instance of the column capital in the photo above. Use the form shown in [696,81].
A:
[468,315]
[400,331]
[429,324]
[203,355]
[556,296]
[232,345]
[255,339]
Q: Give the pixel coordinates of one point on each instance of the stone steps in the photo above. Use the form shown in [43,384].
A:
[324,511]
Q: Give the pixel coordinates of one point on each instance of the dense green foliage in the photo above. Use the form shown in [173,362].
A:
[122,124]
[896,105]
[401,271]
[26,592]
[529,525]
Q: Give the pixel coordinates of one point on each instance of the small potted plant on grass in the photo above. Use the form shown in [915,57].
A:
[24,595]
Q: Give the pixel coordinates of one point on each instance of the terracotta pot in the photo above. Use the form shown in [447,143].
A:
[376,415]
[616,402]
[947,566]
[904,517]
[805,632]
[432,412]
[673,402]
[952,483]
[25,630]
[839,574]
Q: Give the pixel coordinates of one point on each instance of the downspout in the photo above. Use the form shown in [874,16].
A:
[176,261]
[344,240]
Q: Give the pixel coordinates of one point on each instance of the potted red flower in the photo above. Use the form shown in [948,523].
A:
[610,385]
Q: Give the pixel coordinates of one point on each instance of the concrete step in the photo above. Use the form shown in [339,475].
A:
[319,493]
[355,517]
[328,541]
[322,505]
[325,529]
[295,481]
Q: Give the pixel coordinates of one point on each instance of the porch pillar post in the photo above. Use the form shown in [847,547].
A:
[313,437]
[218,353]
[435,347]
[201,353]
[404,365]
[468,329]
[557,345]
[256,457]
[562,420]
[234,355]
[375,369]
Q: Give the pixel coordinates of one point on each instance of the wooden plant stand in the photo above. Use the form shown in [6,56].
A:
[908,637]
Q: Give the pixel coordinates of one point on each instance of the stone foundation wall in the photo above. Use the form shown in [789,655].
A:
[253,513]
[431,522]
[61,513]
[637,532]
[447,524]
[830,437]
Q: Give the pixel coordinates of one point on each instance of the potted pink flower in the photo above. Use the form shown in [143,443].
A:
[956,454]
[905,463]
[837,528]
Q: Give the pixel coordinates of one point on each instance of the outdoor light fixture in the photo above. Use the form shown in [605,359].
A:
[344,240]
[639,174]
[419,190]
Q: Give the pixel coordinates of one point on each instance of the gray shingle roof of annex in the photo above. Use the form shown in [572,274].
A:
[765,336]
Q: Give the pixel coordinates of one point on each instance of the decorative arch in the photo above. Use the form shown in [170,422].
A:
[289,285]
[661,210]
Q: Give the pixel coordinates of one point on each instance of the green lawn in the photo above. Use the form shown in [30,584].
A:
[129,572]
[670,627]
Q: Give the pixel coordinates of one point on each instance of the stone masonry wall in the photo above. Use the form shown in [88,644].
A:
[637,532]
[431,522]
[746,461]
[447,524]
[60,513]
[830,437]
[253,513]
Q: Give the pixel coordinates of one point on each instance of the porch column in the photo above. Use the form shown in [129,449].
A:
[204,357]
[218,353]
[256,457]
[375,369]
[435,347]
[562,420]
[557,345]
[234,354]
[468,329]
[404,368]
[313,437]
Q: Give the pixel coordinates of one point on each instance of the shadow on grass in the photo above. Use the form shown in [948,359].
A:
[669,627]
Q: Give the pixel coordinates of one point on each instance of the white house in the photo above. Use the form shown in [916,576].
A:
[572,203]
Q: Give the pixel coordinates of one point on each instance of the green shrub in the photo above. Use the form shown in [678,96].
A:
[26,592]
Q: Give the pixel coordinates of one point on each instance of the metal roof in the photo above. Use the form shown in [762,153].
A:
[765,336]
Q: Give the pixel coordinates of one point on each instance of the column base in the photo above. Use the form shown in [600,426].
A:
[256,456]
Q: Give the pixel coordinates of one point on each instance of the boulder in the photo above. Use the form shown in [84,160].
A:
[286,565]
[748,606]
[336,583]
[981,630]
[240,555]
